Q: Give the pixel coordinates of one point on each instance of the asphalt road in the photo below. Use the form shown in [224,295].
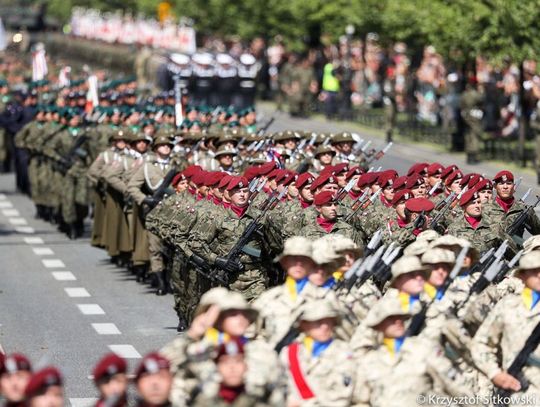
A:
[63,303]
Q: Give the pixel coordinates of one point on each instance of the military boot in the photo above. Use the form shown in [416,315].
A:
[161,285]
[182,324]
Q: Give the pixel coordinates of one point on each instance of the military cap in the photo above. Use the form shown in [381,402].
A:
[468,197]
[259,158]
[225,181]
[323,198]
[237,182]
[532,243]
[224,150]
[315,310]
[15,362]
[400,182]
[191,171]
[428,235]
[367,179]
[275,173]
[323,149]
[42,380]
[212,178]
[178,178]
[434,168]
[324,253]
[503,176]
[152,364]
[214,296]
[386,307]
[418,168]
[342,138]
[529,261]
[251,173]
[160,140]
[403,194]
[226,137]
[341,167]
[438,255]
[416,248]
[418,205]
[414,181]
[304,179]
[199,178]
[265,169]
[356,170]
[236,301]
[445,241]
[322,180]
[296,246]
[453,176]
[484,184]
[449,170]
[286,135]
[108,366]
[289,178]
[343,244]
[122,134]
[179,59]
[386,179]
[247,59]
[407,264]
[474,180]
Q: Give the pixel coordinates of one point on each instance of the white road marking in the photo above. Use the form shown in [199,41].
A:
[42,251]
[91,309]
[2,197]
[76,292]
[106,329]
[10,212]
[33,240]
[6,204]
[125,351]
[63,276]
[25,229]
[18,221]
[53,263]
[83,402]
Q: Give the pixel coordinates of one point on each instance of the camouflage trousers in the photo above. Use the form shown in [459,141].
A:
[74,191]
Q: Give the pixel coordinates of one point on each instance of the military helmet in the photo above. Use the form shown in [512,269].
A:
[161,140]
[124,133]
[324,149]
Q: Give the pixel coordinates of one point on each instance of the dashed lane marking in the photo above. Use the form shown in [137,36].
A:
[25,229]
[18,221]
[42,251]
[33,240]
[91,309]
[125,351]
[83,402]
[106,329]
[53,263]
[10,212]
[63,276]
[2,197]
[5,204]
[76,292]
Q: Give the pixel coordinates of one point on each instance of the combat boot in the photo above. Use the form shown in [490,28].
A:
[72,232]
[161,286]
[182,324]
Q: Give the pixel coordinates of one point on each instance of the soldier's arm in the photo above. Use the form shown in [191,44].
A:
[135,184]
[113,177]
[533,223]
[203,234]
[94,172]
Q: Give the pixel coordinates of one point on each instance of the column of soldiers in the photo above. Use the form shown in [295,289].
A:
[301,275]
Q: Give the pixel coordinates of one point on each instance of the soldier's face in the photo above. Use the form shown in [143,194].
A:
[505,190]
[455,186]
[116,386]
[232,369]
[12,385]
[306,194]
[163,150]
[120,144]
[226,160]
[400,209]
[419,191]
[182,185]
[327,187]
[374,188]
[154,388]
[217,193]
[297,267]
[239,196]
[388,193]
[485,195]
[234,322]
[141,146]
[328,211]
[53,397]
[411,283]
[293,191]
[290,144]
[392,327]
[326,158]
[345,147]
[342,179]
[433,179]
[439,273]
[531,278]
[321,330]
[474,208]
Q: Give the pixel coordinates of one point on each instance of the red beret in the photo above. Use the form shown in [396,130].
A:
[454,175]
[251,172]
[341,167]
[468,196]
[289,179]
[322,180]
[109,365]
[475,179]
[484,184]
[199,178]
[304,179]
[400,182]
[151,364]
[503,176]
[274,173]
[414,181]
[449,170]
[224,181]
[14,363]
[402,194]
[237,182]
[41,380]
[419,205]
[282,175]
[329,169]
[323,198]
[356,170]
[465,180]
[386,178]
[213,178]
[418,168]
[191,170]
[267,167]
[434,168]
[177,178]
[367,179]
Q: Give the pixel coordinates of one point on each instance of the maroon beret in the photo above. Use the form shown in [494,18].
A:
[468,196]
[251,173]
[475,179]
[151,364]
[178,178]
[237,182]
[356,170]
[213,178]
[191,170]
[109,365]
[386,178]
[449,170]
[282,175]
[304,179]
[323,198]
[400,182]
[41,380]
[14,363]
[289,179]
[367,179]
[434,168]
[484,184]
[402,194]
[267,167]
[341,167]
[414,181]
[418,168]
[454,175]
[418,205]
[322,180]
[503,176]
[224,181]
